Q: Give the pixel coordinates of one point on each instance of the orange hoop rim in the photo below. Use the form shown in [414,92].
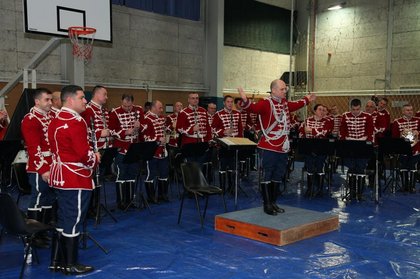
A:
[81,30]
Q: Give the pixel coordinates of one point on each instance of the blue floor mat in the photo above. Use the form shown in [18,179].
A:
[374,241]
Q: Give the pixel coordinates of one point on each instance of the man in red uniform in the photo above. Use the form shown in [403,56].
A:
[274,117]
[34,131]
[356,125]
[211,110]
[71,175]
[408,127]
[384,115]
[97,118]
[227,122]
[124,124]
[171,120]
[336,118]
[317,126]
[193,125]
[153,130]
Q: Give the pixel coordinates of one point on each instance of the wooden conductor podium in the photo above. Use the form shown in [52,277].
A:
[236,144]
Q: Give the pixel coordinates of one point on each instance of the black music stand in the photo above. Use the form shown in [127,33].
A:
[141,151]
[394,148]
[84,235]
[8,151]
[321,147]
[107,158]
[354,149]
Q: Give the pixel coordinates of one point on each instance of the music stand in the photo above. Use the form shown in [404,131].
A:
[107,158]
[394,148]
[355,149]
[236,144]
[194,150]
[137,152]
[8,151]
[318,147]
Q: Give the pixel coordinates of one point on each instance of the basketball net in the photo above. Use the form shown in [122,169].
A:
[82,40]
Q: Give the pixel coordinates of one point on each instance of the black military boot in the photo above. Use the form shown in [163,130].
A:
[150,191]
[57,261]
[404,180]
[360,187]
[352,186]
[230,181]
[163,190]
[129,193]
[310,190]
[274,189]
[412,181]
[120,194]
[320,184]
[265,192]
[222,179]
[70,247]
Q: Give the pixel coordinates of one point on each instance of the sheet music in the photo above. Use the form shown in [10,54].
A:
[231,141]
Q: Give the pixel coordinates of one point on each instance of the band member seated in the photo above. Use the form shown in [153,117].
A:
[71,176]
[356,125]
[97,119]
[153,130]
[193,126]
[34,131]
[227,123]
[274,117]
[408,127]
[124,124]
[317,126]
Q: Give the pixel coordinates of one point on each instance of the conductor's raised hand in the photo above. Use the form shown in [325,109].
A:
[242,94]
[311,97]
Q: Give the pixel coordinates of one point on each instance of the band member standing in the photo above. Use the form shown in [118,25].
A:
[211,110]
[71,176]
[274,117]
[385,115]
[336,118]
[171,120]
[227,123]
[317,126]
[408,127]
[56,104]
[124,124]
[356,125]
[153,130]
[193,125]
[34,129]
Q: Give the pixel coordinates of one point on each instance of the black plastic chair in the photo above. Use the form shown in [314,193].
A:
[196,184]
[14,223]
[19,171]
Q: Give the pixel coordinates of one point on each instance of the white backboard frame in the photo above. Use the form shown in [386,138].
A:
[53,17]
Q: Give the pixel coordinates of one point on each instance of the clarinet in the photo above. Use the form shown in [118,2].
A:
[195,123]
[231,124]
[105,127]
[95,148]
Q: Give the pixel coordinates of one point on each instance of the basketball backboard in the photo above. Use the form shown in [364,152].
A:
[54,17]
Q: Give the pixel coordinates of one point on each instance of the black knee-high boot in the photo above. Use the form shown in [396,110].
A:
[360,187]
[163,190]
[310,190]
[352,186]
[404,180]
[57,260]
[265,192]
[320,184]
[222,180]
[150,191]
[120,194]
[412,181]
[274,190]
[129,192]
[70,247]
[231,181]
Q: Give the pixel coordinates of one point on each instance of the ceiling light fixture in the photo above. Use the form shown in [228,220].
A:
[336,6]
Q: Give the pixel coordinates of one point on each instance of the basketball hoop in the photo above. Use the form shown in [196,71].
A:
[82,39]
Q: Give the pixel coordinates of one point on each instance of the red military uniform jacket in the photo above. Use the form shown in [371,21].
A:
[223,119]
[53,112]
[356,127]
[171,120]
[73,156]
[379,124]
[403,125]
[121,120]
[34,129]
[386,118]
[274,119]
[153,129]
[320,128]
[187,119]
[100,118]
[336,120]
